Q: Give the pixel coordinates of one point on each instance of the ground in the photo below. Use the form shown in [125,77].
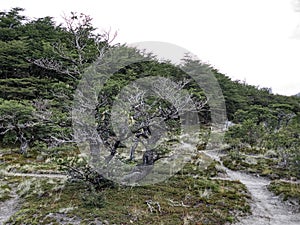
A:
[192,196]
[285,183]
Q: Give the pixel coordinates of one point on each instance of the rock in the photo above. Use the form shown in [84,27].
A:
[271,154]
[250,160]
[40,158]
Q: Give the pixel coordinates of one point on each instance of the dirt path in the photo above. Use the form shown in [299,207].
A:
[38,175]
[8,207]
[267,209]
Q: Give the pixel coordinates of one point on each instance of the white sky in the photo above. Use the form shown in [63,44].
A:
[253,40]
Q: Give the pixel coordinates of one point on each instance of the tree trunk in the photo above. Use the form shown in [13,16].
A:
[24,145]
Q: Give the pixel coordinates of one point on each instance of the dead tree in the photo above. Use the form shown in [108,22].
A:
[144,117]
[81,38]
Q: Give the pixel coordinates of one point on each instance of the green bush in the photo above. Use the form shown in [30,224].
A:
[93,199]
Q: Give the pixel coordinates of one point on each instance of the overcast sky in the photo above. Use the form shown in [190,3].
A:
[253,40]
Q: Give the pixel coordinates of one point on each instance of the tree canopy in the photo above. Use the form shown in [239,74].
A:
[42,62]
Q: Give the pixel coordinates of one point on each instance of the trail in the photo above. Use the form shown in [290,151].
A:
[37,175]
[8,207]
[267,209]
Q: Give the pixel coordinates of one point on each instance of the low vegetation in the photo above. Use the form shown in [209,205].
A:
[190,197]
[254,162]
[286,190]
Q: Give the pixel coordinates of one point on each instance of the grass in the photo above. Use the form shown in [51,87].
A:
[288,190]
[189,197]
[256,163]
[34,161]
[7,184]
[5,191]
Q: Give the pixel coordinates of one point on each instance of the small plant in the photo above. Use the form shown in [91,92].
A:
[78,170]
[4,192]
[93,199]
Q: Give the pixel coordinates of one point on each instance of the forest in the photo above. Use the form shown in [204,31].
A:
[48,177]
